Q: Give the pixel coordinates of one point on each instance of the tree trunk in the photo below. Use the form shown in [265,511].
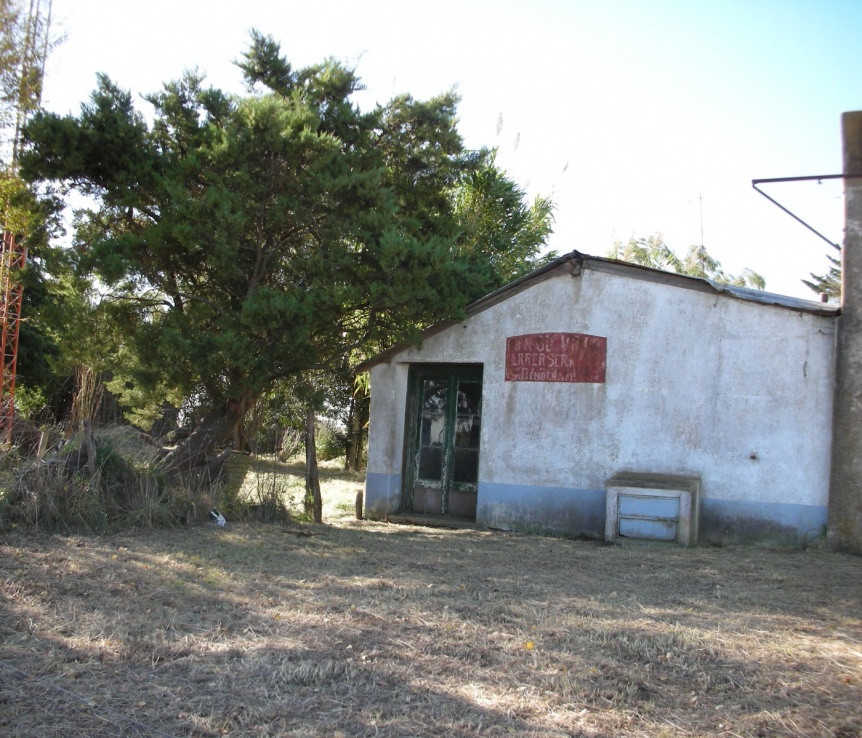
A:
[313,500]
[356,431]
[248,429]
[90,446]
[350,446]
[217,426]
[239,437]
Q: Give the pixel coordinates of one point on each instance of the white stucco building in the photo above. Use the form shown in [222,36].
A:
[594,397]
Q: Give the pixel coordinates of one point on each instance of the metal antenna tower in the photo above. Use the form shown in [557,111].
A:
[13,257]
[30,71]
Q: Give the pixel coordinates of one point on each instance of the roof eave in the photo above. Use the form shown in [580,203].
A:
[574,261]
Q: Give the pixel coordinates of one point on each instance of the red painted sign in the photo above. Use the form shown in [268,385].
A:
[556,357]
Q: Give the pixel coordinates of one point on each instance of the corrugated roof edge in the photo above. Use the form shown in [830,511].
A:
[575,260]
[636,271]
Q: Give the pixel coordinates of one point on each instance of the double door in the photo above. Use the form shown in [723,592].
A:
[445,420]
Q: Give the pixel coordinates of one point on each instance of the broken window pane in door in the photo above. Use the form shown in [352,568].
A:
[466,465]
[467,431]
[434,396]
[469,397]
[431,463]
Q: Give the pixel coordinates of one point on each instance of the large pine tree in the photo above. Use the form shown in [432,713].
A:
[248,239]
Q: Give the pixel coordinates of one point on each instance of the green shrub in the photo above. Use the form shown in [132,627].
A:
[330,440]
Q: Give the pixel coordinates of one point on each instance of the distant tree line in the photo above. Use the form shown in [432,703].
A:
[697,261]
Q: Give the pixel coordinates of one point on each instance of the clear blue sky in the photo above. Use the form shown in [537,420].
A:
[631,115]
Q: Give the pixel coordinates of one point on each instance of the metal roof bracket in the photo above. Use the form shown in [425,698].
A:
[812,177]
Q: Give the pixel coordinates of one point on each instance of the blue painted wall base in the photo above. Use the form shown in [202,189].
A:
[779,524]
[542,509]
[382,494]
[581,512]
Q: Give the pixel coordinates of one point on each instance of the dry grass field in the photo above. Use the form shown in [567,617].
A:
[358,628]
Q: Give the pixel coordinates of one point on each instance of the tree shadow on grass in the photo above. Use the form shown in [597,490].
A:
[392,630]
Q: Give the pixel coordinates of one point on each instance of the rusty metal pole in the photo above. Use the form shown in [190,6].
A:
[845,491]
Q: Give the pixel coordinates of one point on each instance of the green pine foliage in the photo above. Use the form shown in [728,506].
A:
[244,240]
[499,230]
[828,284]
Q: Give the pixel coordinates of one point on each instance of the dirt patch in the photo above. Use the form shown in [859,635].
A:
[372,629]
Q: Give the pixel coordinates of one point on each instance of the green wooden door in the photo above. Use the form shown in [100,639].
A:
[445,419]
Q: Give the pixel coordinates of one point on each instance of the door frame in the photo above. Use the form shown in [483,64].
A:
[417,374]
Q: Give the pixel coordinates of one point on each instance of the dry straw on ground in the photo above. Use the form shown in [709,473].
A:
[373,629]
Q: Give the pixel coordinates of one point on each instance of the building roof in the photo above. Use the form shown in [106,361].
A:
[575,262]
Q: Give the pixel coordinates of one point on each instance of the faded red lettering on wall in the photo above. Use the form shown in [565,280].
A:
[556,357]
